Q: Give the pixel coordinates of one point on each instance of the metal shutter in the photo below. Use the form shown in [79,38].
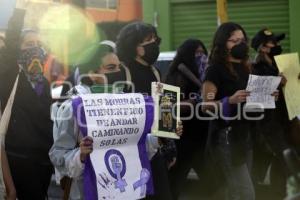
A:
[197,18]
[256,14]
[193,19]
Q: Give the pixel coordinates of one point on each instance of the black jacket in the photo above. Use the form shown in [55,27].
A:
[275,123]
[193,128]
[29,132]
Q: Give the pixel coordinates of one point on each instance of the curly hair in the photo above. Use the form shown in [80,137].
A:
[219,53]
[129,37]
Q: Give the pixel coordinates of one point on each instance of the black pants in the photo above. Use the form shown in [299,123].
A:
[238,178]
[190,154]
[270,142]
[232,151]
[160,179]
[31,179]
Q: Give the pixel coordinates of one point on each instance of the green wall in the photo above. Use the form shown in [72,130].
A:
[294,25]
[162,8]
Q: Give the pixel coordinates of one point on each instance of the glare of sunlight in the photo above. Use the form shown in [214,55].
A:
[69,34]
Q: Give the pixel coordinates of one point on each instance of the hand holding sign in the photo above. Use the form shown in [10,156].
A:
[275,94]
[283,79]
[166,110]
[86,147]
[117,166]
[239,97]
[179,128]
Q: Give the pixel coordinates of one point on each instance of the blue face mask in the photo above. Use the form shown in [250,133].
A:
[201,62]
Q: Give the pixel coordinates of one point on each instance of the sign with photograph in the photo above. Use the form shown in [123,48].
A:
[166,100]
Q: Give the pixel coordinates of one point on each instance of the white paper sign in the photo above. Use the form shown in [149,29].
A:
[261,89]
[117,122]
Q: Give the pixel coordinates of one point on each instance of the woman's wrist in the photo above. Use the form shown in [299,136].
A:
[226,107]
[82,157]
[230,100]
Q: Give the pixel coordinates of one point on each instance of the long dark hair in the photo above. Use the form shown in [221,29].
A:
[219,53]
[186,55]
[129,37]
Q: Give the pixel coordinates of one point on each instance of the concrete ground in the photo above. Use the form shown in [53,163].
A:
[192,191]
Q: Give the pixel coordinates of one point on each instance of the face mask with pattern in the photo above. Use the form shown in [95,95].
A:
[32,60]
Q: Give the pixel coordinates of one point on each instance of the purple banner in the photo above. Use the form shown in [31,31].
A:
[142,143]
[90,180]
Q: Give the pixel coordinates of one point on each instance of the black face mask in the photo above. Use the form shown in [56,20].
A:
[151,53]
[277,50]
[115,76]
[240,51]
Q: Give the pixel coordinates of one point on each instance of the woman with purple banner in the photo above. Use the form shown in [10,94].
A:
[71,152]
[71,148]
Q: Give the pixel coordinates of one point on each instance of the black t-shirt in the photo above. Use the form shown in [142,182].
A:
[272,117]
[227,83]
[264,69]
[141,77]
[29,134]
[193,128]
[239,136]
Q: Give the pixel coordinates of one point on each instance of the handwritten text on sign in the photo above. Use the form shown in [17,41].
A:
[116,122]
[261,89]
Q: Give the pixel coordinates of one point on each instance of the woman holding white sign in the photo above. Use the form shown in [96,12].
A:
[230,141]
[70,149]
[230,137]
